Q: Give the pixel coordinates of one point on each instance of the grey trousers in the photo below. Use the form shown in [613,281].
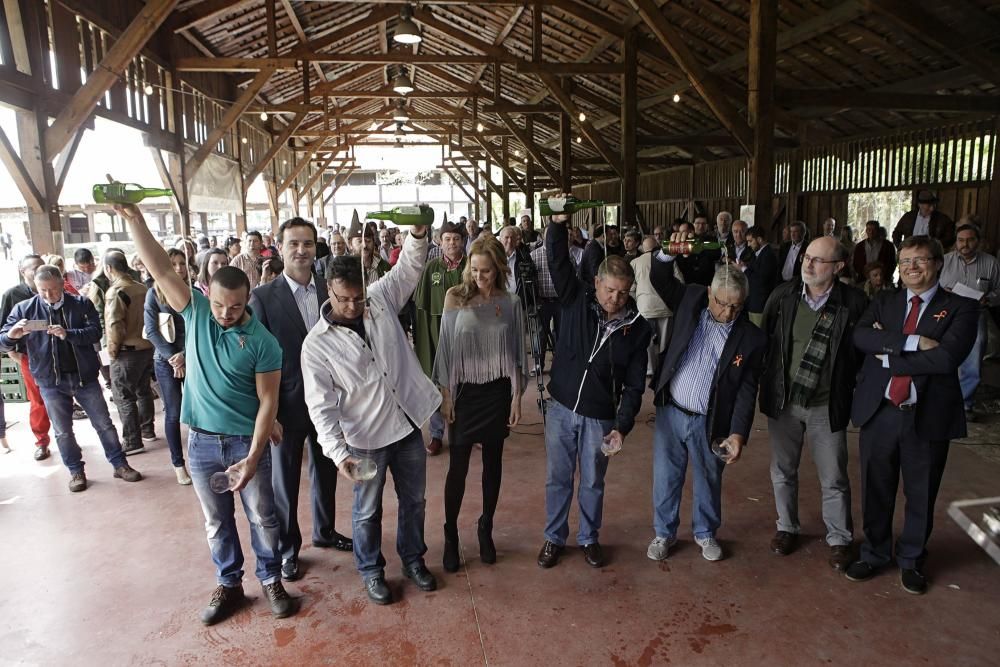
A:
[829,452]
[130,376]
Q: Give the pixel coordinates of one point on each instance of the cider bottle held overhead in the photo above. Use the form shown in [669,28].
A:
[556,205]
[692,247]
[126,193]
[418,214]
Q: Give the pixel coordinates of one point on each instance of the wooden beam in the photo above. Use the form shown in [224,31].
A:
[376,16]
[315,177]
[568,69]
[276,146]
[298,168]
[204,11]
[106,74]
[389,93]
[925,25]
[510,173]
[228,119]
[490,185]
[291,107]
[630,117]
[270,18]
[471,181]
[460,184]
[529,145]
[336,174]
[760,105]
[704,140]
[853,98]
[512,108]
[696,74]
[19,173]
[200,64]
[588,129]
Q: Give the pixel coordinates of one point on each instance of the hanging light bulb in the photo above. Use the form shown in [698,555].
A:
[582,116]
[579,140]
[400,114]
[407,31]
[244,140]
[517,152]
[401,82]
[148,89]
[677,98]
[480,127]
[263,115]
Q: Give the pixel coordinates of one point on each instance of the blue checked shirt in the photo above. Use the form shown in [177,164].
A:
[691,386]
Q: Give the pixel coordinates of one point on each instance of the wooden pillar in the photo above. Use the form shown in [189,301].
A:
[203,223]
[505,183]
[991,231]
[565,151]
[760,98]
[630,111]
[44,219]
[529,168]
[475,188]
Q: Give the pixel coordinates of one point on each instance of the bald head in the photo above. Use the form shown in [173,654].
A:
[823,260]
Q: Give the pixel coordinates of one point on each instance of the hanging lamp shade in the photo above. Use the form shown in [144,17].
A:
[407,31]
[401,83]
[400,114]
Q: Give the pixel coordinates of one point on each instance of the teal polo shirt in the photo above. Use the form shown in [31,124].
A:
[220,384]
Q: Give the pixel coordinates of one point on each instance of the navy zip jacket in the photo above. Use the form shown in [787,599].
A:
[83,331]
[596,376]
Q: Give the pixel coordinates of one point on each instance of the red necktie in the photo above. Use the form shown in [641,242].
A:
[899,385]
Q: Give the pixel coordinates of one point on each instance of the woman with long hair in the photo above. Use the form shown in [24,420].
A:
[211,261]
[168,361]
[480,368]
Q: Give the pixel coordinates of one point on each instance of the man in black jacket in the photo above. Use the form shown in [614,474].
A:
[806,389]
[699,269]
[704,393]
[761,270]
[601,356]
[790,253]
[288,307]
[909,406]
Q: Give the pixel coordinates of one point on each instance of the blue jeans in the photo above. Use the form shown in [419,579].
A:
[569,436]
[208,454]
[678,438]
[58,400]
[407,460]
[170,392]
[437,425]
[969,371]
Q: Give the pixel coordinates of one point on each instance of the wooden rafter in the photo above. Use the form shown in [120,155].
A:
[204,11]
[566,102]
[529,145]
[106,74]
[19,173]
[276,146]
[504,166]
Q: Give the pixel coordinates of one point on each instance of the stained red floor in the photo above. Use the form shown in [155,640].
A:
[118,574]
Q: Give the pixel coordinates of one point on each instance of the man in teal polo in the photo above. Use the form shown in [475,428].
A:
[232,376]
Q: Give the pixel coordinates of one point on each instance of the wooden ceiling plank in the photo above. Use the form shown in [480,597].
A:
[204,11]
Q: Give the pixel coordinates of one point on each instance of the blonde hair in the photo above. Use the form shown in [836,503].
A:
[56,261]
[487,247]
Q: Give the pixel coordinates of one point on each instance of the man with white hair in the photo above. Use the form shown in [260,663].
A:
[704,397]
[723,226]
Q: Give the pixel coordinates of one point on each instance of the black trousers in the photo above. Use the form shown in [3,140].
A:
[891,446]
[286,474]
[458,470]
[549,312]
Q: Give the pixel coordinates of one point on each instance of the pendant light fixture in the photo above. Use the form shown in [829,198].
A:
[407,31]
[401,82]
[399,113]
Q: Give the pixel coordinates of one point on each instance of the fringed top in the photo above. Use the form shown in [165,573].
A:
[482,343]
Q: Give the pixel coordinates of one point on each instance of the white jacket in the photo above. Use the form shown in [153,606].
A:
[363,396]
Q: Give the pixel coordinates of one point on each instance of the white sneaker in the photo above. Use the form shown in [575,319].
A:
[710,549]
[182,476]
[660,547]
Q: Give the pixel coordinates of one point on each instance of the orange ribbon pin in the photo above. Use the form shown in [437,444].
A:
[738,360]
[940,316]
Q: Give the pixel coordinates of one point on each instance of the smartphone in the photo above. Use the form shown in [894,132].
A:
[36,325]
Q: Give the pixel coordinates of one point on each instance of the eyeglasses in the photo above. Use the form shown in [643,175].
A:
[732,307]
[915,261]
[809,259]
[347,299]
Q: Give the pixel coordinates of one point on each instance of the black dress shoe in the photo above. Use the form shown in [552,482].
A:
[549,555]
[487,550]
[860,570]
[224,602]
[841,556]
[421,576]
[282,604]
[41,453]
[378,592]
[338,542]
[913,581]
[290,569]
[593,554]
[783,542]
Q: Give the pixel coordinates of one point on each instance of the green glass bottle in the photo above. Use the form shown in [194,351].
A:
[556,205]
[692,247]
[418,214]
[126,193]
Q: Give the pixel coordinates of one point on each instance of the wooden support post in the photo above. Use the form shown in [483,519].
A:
[505,183]
[760,83]
[991,232]
[536,32]
[565,152]
[276,146]
[529,169]
[586,127]
[529,144]
[106,74]
[272,204]
[630,113]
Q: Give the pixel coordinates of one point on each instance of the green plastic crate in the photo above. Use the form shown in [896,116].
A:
[11,381]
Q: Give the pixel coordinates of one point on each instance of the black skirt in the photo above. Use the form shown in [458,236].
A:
[481,413]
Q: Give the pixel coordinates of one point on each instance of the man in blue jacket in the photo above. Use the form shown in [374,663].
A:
[59,331]
[601,356]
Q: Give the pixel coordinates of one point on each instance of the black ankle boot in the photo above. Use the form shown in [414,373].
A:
[487,550]
[451,559]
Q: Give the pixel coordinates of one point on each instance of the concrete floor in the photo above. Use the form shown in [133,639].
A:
[118,574]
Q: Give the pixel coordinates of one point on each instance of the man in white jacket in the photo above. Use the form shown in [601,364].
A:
[368,398]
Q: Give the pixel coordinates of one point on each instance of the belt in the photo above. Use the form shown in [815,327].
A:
[204,432]
[689,413]
[127,348]
[905,407]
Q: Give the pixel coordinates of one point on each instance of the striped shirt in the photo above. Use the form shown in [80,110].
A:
[691,385]
[546,287]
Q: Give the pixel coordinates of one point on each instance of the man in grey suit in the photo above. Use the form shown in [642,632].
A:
[288,307]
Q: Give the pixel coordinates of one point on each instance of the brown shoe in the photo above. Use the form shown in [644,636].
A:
[783,542]
[841,555]
[434,446]
[78,482]
[127,473]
